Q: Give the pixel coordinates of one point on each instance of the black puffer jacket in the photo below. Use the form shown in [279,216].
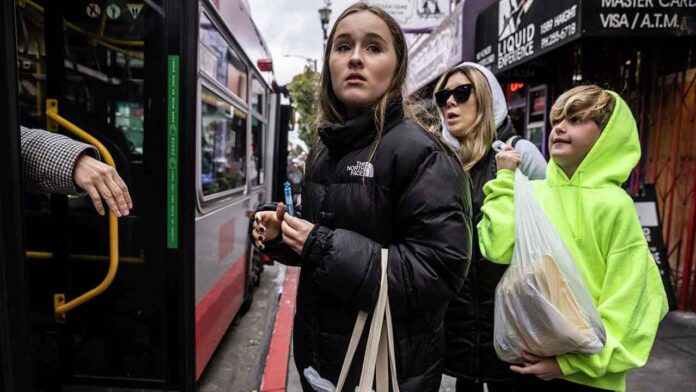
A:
[469,319]
[414,199]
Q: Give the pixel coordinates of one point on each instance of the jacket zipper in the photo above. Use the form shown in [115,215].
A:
[476,324]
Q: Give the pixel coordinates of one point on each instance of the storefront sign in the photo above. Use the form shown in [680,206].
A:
[415,15]
[513,31]
[646,207]
[434,55]
[639,17]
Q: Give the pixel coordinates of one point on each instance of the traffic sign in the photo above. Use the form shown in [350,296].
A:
[135,9]
[93,10]
[113,11]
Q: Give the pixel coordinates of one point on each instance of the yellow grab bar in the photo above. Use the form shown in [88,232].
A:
[60,306]
[39,255]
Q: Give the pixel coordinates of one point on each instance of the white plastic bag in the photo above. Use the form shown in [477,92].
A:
[542,304]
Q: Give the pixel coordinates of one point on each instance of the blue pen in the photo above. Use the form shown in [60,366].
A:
[288,198]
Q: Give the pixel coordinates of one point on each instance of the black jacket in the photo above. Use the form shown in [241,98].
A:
[412,198]
[469,319]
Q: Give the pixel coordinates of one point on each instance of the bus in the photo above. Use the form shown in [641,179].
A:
[181,94]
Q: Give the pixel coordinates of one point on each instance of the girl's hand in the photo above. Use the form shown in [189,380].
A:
[544,368]
[266,225]
[295,232]
[508,158]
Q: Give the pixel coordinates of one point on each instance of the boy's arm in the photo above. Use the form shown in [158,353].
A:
[496,229]
[631,304]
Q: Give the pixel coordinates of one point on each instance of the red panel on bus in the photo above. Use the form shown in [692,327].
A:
[215,312]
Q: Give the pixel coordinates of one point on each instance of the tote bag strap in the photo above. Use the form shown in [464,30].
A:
[392,356]
[368,368]
[352,346]
[380,343]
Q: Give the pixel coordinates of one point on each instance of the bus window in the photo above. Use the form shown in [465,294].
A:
[258,136]
[258,95]
[223,143]
[219,61]
[129,118]
[237,76]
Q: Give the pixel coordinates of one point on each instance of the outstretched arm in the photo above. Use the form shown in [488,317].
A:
[57,164]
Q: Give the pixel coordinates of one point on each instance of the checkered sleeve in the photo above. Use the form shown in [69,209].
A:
[48,160]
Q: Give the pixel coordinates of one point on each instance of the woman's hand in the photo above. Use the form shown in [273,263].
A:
[508,158]
[267,225]
[295,232]
[544,368]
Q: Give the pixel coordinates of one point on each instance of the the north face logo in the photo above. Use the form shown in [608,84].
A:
[362,169]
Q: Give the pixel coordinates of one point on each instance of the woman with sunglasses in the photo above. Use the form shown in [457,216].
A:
[474,115]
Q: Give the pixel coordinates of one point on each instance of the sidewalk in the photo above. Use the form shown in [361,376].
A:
[672,363]
[671,367]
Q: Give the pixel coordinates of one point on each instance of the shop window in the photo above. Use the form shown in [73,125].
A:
[258,142]
[223,144]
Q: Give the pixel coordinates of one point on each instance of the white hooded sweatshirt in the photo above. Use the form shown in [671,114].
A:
[533,163]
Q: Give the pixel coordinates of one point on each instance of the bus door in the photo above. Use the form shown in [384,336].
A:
[102,67]
[15,365]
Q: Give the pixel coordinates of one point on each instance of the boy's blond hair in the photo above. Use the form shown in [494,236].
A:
[589,102]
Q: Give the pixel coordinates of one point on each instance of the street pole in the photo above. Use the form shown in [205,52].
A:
[324,17]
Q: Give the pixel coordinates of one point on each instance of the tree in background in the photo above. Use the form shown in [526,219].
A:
[303,89]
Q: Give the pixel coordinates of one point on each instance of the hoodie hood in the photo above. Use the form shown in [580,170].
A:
[611,159]
[499,104]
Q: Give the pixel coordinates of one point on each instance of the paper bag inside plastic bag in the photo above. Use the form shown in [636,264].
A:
[542,304]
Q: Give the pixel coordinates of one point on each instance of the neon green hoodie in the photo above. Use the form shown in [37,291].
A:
[599,224]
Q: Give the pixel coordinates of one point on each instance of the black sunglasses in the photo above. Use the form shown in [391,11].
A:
[461,94]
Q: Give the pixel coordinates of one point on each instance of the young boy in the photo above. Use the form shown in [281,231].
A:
[594,146]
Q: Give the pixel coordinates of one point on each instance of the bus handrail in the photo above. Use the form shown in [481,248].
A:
[60,306]
[40,255]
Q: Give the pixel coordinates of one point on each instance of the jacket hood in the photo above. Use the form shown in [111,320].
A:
[499,104]
[611,159]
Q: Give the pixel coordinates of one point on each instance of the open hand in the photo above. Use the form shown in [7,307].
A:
[546,368]
[266,226]
[100,180]
[295,232]
[508,158]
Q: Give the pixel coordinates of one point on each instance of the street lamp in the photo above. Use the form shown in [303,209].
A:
[324,16]
[308,59]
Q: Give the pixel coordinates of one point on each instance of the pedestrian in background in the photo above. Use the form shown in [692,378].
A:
[594,147]
[474,115]
[375,179]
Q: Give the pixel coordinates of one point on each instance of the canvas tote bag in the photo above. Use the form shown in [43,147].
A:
[379,361]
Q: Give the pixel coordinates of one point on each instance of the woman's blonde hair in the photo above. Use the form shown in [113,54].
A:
[588,102]
[331,109]
[478,138]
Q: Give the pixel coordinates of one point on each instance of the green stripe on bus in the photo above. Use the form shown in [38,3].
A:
[173,152]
